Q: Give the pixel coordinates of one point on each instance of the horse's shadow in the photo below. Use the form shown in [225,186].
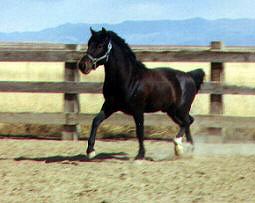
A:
[76,158]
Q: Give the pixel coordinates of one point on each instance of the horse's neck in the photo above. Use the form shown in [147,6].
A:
[119,69]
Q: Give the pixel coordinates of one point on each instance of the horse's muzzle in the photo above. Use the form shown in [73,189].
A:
[85,65]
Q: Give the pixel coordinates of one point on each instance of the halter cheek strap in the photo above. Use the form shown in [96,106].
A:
[105,56]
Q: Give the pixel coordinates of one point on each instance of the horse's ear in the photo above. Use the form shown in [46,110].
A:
[104,30]
[92,31]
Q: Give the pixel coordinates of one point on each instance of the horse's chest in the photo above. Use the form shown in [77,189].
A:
[122,101]
[112,91]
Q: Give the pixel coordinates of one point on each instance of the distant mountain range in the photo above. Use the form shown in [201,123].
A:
[196,31]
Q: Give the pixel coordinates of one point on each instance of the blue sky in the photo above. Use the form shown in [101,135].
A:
[33,15]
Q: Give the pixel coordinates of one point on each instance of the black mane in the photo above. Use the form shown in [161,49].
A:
[126,49]
[121,42]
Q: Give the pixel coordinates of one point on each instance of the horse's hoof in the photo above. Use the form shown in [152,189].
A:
[139,157]
[91,155]
[178,149]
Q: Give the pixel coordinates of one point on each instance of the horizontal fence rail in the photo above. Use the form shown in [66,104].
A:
[216,54]
[72,53]
[96,88]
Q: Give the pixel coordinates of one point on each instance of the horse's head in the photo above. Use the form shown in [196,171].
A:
[99,48]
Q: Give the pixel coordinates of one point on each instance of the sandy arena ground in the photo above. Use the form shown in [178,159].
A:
[58,171]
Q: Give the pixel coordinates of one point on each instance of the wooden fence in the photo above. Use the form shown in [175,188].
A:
[216,54]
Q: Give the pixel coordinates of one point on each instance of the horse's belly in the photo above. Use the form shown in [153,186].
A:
[151,108]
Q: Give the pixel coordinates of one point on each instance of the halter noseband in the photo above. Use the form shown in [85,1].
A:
[106,56]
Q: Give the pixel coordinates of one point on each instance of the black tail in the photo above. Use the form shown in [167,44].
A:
[198,76]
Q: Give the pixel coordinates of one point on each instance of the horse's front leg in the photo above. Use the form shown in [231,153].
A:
[139,120]
[100,117]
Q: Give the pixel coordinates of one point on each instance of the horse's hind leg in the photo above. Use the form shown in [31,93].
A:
[184,121]
[178,148]
[187,130]
[139,120]
[187,121]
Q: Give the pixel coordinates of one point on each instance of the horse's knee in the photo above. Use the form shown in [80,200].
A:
[191,119]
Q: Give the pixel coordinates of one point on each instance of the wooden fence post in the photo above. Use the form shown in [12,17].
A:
[217,75]
[71,103]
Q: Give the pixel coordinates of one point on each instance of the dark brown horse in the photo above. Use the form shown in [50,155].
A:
[133,89]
